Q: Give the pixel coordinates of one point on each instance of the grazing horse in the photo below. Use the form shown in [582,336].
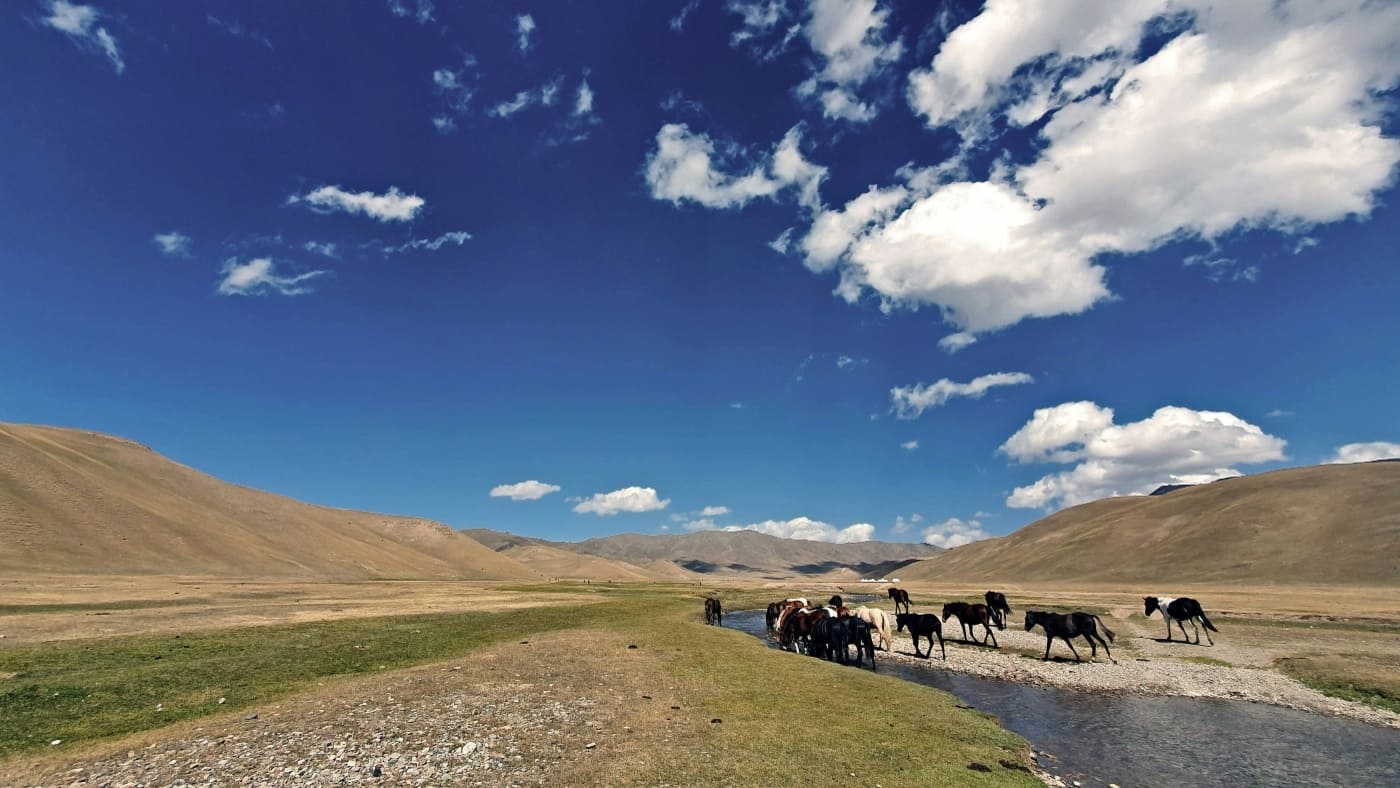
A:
[879,622]
[900,597]
[797,626]
[714,614]
[925,624]
[970,616]
[996,602]
[858,635]
[1072,625]
[789,607]
[1180,609]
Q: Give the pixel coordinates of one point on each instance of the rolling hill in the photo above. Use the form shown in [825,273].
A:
[1323,525]
[75,502]
[556,561]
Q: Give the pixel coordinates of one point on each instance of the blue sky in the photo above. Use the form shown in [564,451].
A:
[832,269]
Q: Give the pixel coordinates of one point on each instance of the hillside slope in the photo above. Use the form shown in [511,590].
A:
[558,562]
[1326,524]
[75,502]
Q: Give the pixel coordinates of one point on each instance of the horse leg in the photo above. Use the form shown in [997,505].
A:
[1049,638]
[1072,649]
[1169,627]
[940,647]
[991,635]
[1105,649]
[1207,631]
[1185,636]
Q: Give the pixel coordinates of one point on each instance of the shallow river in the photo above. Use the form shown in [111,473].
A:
[1135,741]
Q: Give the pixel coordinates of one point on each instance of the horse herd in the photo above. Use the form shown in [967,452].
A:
[830,630]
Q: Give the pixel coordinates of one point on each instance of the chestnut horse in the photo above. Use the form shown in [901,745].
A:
[970,616]
[714,614]
[900,597]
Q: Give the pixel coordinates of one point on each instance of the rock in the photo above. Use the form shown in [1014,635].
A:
[251,717]
[469,748]
[376,772]
[55,742]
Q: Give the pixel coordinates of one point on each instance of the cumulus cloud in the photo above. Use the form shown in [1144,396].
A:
[421,10]
[714,511]
[690,166]
[1365,452]
[796,528]
[909,445]
[260,277]
[173,243]
[583,99]
[524,28]
[1174,445]
[531,490]
[456,237]
[1225,126]
[80,24]
[628,499]
[954,533]
[392,206]
[848,38]
[903,524]
[909,402]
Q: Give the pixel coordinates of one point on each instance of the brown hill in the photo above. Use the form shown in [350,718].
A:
[754,555]
[74,502]
[554,561]
[1323,525]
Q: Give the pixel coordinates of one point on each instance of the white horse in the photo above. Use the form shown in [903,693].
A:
[879,621]
[1180,609]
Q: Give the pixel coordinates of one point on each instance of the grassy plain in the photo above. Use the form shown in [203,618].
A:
[99,695]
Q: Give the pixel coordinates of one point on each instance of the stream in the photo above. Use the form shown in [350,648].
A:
[1130,740]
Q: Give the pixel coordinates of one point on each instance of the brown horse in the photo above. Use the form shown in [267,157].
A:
[900,597]
[714,613]
[996,602]
[970,616]
[795,633]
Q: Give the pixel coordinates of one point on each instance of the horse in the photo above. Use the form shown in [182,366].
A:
[970,616]
[900,597]
[996,602]
[775,609]
[1072,625]
[790,606]
[858,635]
[925,624]
[714,614]
[1180,609]
[830,640]
[796,629]
[879,622]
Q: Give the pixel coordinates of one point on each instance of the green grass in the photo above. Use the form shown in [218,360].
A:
[78,607]
[1351,677]
[88,689]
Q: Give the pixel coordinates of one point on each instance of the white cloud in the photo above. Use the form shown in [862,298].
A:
[392,206]
[902,524]
[422,10]
[1225,126]
[1365,452]
[760,18]
[909,445]
[456,91]
[1280,413]
[583,100]
[173,243]
[714,511]
[1174,445]
[848,37]
[237,30]
[736,406]
[809,529]
[524,27]
[259,277]
[954,533]
[678,21]
[688,166]
[79,23]
[628,499]
[531,490]
[545,95]
[909,402]
[323,248]
[457,237]
[846,362]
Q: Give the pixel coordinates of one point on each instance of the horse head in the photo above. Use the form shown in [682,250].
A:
[1149,604]
[948,609]
[1030,620]
[900,619]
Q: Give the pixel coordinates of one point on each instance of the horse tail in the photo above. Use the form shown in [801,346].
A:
[1105,628]
[1205,620]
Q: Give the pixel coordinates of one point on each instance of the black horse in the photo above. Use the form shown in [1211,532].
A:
[830,640]
[996,602]
[858,635]
[775,609]
[970,616]
[922,624]
[1180,609]
[1072,625]
[900,597]
[714,614]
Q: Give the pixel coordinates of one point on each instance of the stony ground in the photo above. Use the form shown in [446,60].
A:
[1144,666]
[533,713]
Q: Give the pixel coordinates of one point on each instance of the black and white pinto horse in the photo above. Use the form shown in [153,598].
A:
[1071,625]
[714,614]
[900,597]
[1180,609]
[922,624]
[996,602]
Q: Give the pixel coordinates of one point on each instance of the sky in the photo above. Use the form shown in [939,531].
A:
[830,269]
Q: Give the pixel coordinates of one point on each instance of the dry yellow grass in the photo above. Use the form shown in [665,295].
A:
[1322,525]
[74,502]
